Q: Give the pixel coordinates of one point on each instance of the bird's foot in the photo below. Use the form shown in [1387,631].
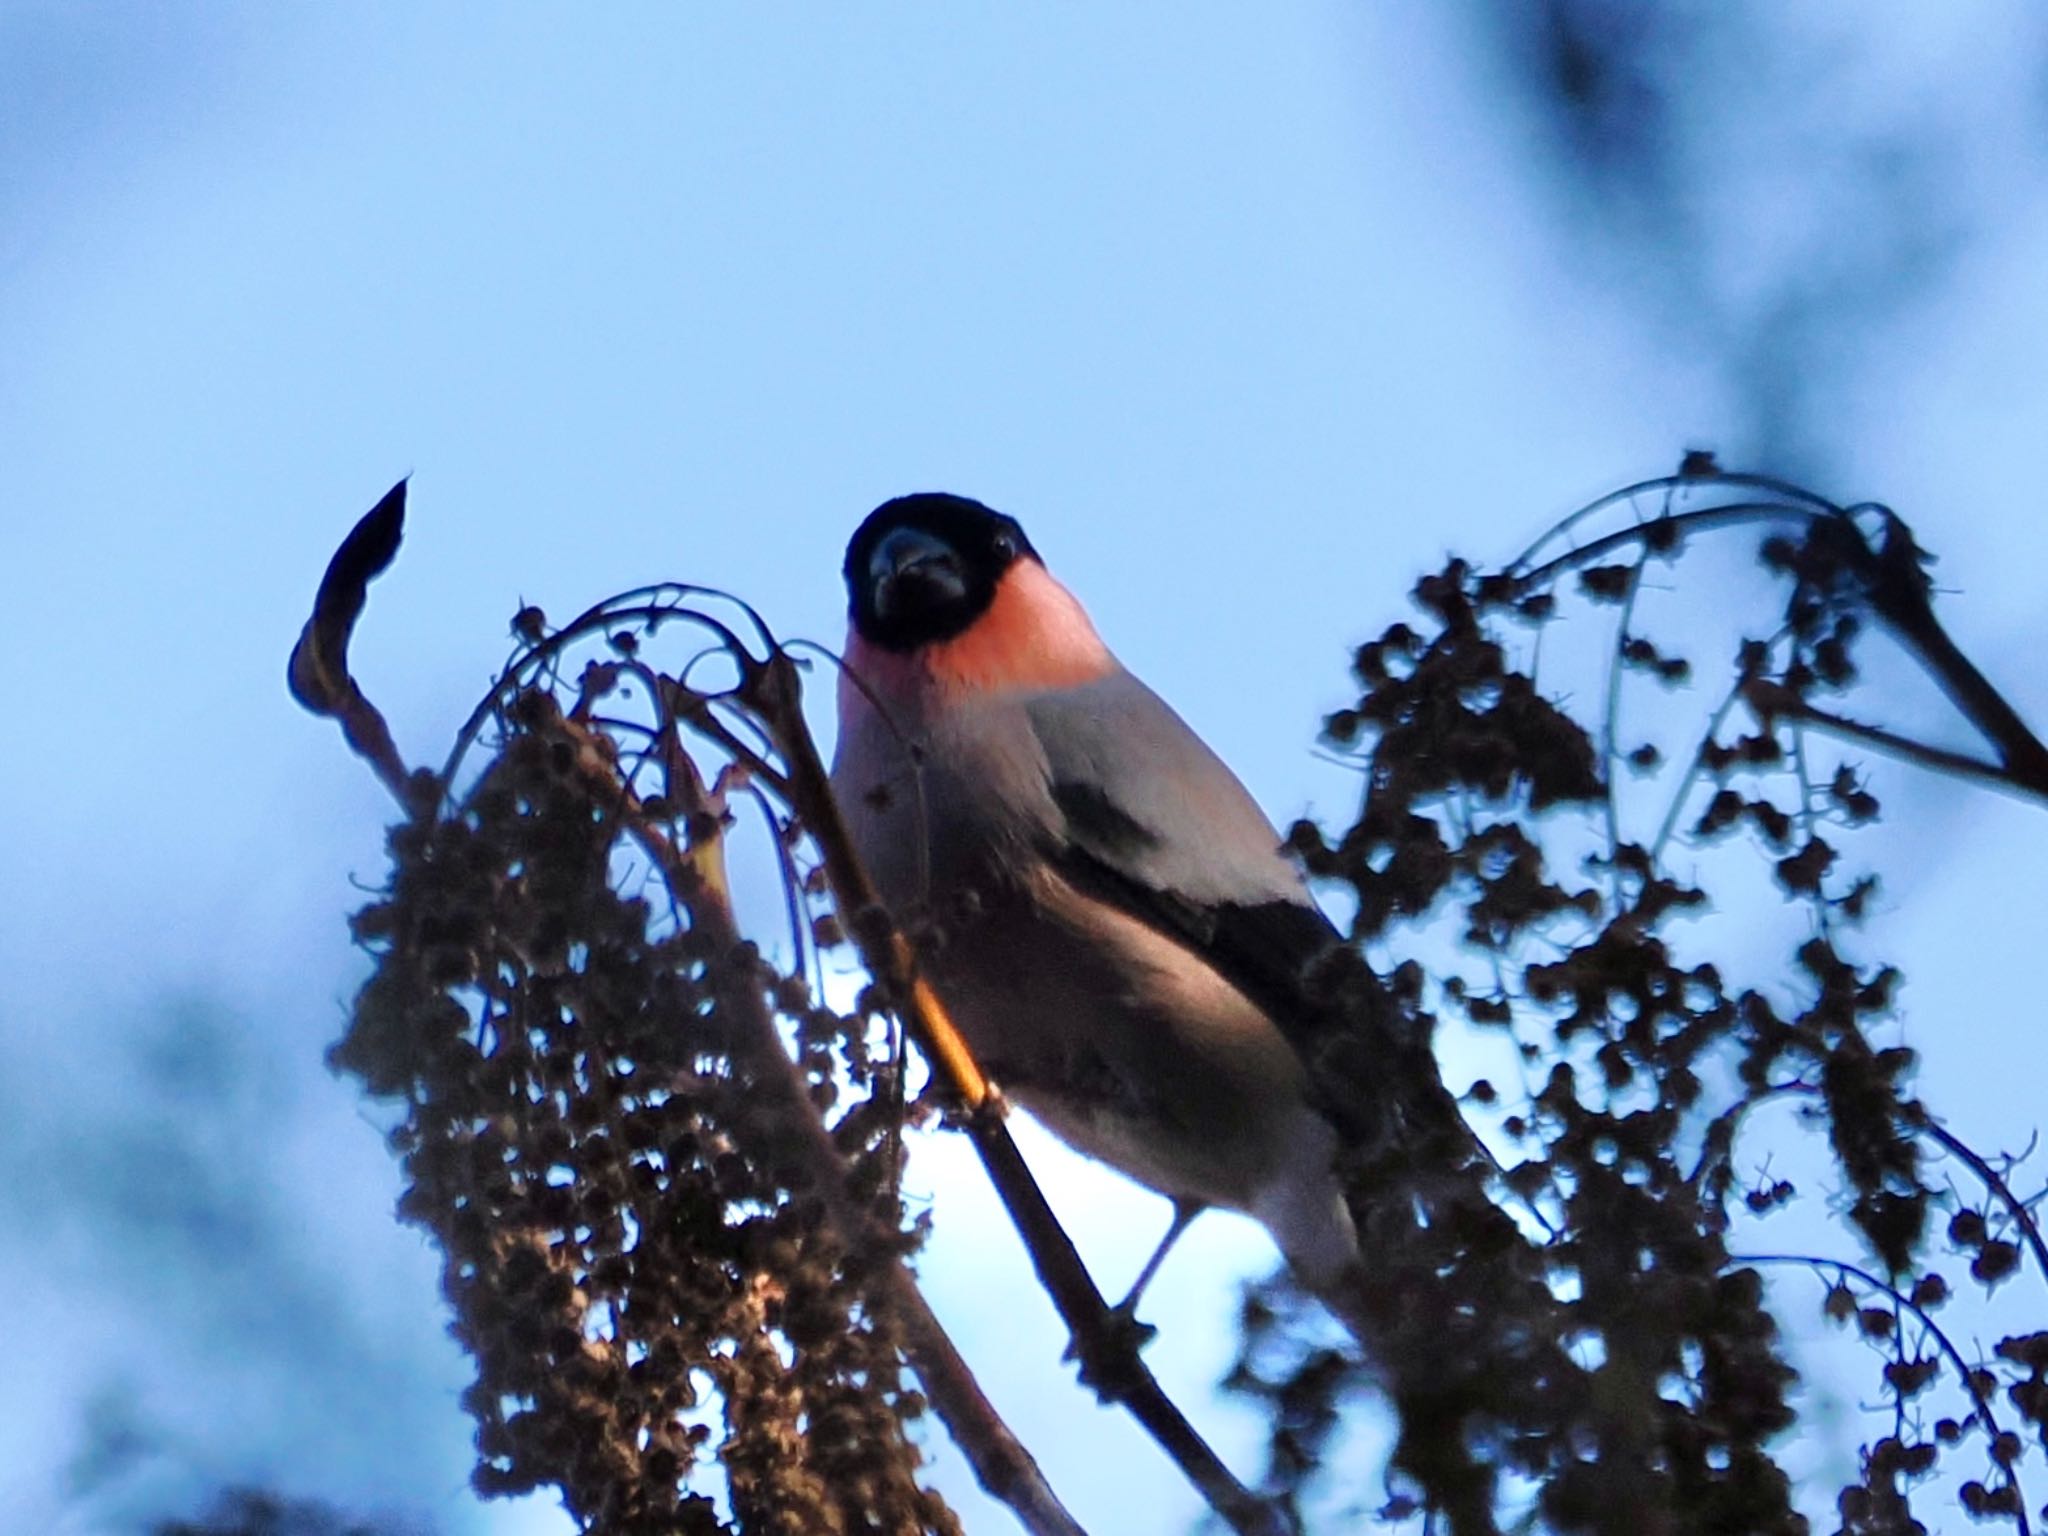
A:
[1109,1356]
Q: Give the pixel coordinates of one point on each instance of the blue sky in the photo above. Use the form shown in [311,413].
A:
[1250,317]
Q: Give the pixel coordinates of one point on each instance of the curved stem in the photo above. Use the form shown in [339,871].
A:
[1964,1373]
[625,608]
[1996,1183]
[1673,486]
[1736,515]
[1610,724]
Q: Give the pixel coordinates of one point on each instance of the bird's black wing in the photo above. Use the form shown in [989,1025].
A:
[1152,822]
[1264,946]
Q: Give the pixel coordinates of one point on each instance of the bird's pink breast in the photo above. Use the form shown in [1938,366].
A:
[1033,636]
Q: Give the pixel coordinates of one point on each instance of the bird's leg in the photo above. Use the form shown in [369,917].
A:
[1184,1211]
[1121,1334]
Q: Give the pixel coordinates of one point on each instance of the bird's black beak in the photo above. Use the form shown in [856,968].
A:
[912,570]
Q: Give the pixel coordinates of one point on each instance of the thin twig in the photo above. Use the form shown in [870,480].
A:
[1610,722]
[1735,515]
[1691,776]
[1672,486]
[1997,1184]
[1717,1143]
[1782,703]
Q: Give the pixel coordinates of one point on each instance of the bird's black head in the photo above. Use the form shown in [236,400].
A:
[923,568]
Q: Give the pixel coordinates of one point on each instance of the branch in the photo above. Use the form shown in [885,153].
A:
[1610,728]
[1897,588]
[1715,721]
[1707,477]
[1774,701]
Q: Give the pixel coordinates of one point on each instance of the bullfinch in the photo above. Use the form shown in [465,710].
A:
[1102,906]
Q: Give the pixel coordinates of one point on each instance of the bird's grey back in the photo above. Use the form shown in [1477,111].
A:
[994,782]
[1141,792]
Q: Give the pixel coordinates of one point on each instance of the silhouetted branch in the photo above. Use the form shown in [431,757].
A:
[1898,590]
[1610,720]
[1698,473]
[1666,532]
[1773,702]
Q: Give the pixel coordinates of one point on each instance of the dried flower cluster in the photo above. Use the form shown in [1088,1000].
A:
[1667,1403]
[634,1253]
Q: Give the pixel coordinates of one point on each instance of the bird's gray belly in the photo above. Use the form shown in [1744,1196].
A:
[1127,1046]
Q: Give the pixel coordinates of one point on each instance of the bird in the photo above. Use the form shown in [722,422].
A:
[1106,912]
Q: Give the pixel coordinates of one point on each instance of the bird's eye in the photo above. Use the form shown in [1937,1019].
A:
[1005,544]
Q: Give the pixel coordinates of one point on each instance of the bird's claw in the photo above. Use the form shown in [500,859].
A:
[1124,1326]
[1109,1359]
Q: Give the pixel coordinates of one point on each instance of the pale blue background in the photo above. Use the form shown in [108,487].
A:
[1250,314]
